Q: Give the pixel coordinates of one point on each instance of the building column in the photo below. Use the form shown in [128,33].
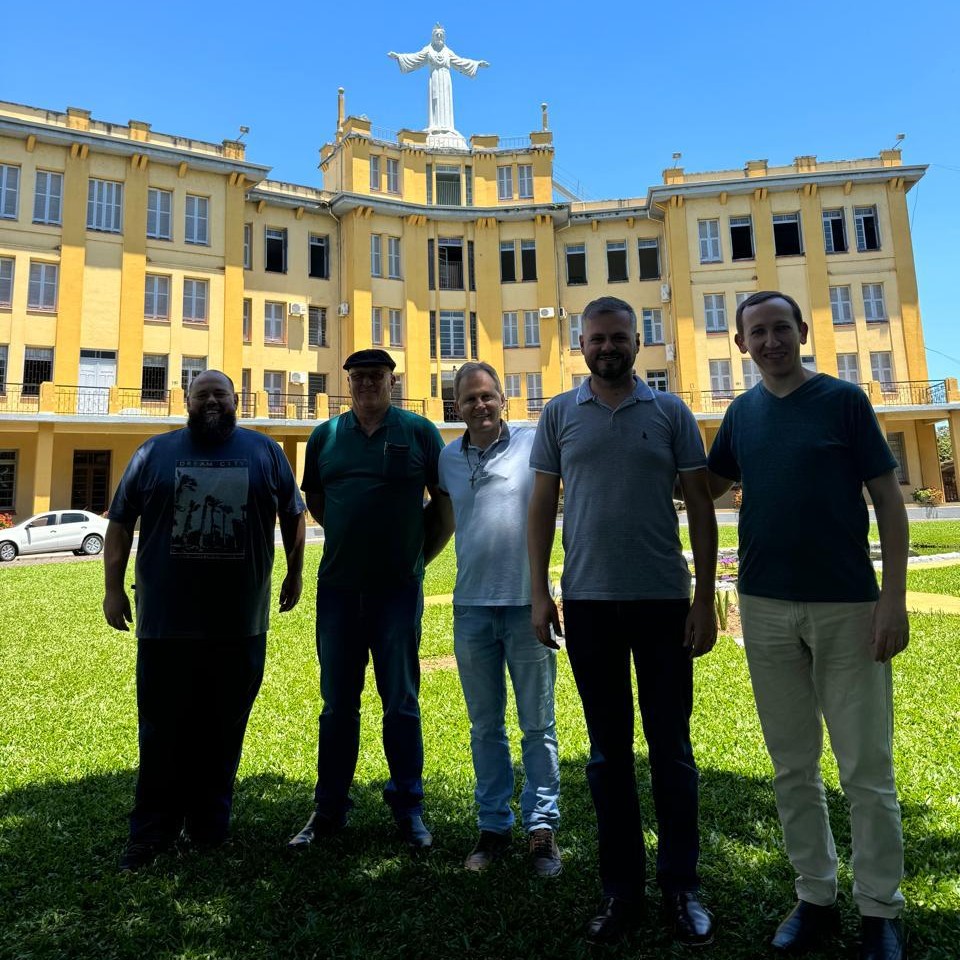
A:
[929,460]
[133,273]
[43,468]
[685,375]
[290,445]
[906,280]
[954,422]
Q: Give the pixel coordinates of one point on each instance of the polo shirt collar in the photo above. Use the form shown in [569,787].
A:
[389,418]
[503,438]
[641,391]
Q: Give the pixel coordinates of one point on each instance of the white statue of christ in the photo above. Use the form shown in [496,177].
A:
[440,58]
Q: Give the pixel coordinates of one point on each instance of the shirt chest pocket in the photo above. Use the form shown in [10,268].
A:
[396,461]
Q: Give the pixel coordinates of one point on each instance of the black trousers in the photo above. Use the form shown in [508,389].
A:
[602,636]
[193,700]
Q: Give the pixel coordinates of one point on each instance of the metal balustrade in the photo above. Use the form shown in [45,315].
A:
[136,402]
[19,398]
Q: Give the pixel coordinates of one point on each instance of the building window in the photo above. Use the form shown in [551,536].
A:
[196,224]
[153,377]
[652,327]
[897,448]
[721,383]
[531,328]
[156,298]
[868,232]
[525,181]
[840,305]
[649,254]
[848,367]
[319,250]
[579,378]
[393,258]
[448,185]
[47,197]
[511,330]
[6,281]
[834,231]
[576,263]
[709,231]
[508,261]
[450,252]
[9,191]
[511,385]
[393,175]
[42,291]
[195,301]
[376,255]
[316,383]
[429,184]
[809,363]
[471,267]
[453,334]
[376,326]
[317,328]
[616,261]
[657,380]
[881,368]
[248,246]
[247,320]
[751,373]
[105,206]
[8,479]
[246,379]
[395,319]
[576,328]
[741,238]
[787,238]
[275,250]
[528,260]
[505,183]
[374,172]
[37,369]
[159,217]
[190,368]
[874,308]
[534,392]
[273,388]
[468,185]
[740,297]
[715,312]
[3,368]
[274,314]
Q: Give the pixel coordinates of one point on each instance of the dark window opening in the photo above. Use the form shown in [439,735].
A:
[834,232]
[153,382]
[317,327]
[35,372]
[433,334]
[786,235]
[508,262]
[431,266]
[471,269]
[276,251]
[868,238]
[649,253]
[450,256]
[319,258]
[90,487]
[576,264]
[316,383]
[616,262]
[741,238]
[528,260]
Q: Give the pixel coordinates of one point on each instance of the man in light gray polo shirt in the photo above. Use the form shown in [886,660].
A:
[486,474]
[618,447]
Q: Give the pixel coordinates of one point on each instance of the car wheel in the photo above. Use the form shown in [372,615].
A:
[92,545]
[8,551]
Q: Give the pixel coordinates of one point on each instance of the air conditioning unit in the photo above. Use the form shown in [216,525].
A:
[297,377]
[671,353]
[547,313]
[344,309]
[563,313]
[664,292]
[297,309]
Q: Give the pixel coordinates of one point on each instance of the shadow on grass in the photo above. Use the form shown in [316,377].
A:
[361,895]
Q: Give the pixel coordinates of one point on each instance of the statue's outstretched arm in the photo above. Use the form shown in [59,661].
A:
[465,65]
[409,61]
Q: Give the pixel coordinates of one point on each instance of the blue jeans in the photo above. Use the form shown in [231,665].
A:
[602,637]
[353,624]
[485,639]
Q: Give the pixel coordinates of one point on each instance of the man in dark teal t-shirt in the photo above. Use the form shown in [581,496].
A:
[818,634]
[364,479]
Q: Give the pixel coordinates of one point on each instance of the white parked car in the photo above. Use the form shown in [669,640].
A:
[56,530]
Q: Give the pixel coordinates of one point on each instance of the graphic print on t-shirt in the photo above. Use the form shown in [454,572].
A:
[210,509]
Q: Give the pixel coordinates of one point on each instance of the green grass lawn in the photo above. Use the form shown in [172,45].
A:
[67,769]
[945,580]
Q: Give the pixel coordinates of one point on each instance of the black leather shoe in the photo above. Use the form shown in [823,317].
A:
[415,833]
[805,927]
[137,855]
[615,918]
[318,826]
[692,921]
[882,938]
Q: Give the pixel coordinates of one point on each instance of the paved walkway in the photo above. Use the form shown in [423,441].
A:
[932,603]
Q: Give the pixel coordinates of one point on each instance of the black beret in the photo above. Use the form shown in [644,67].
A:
[370,358]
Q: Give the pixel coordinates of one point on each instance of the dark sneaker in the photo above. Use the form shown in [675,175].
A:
[544,853]
[491,846]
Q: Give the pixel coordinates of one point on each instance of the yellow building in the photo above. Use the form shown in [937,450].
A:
[130,260]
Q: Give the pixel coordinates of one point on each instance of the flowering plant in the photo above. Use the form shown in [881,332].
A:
[6,520]
[928,496]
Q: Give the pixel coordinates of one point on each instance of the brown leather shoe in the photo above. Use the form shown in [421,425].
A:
[544,853]
[491,846]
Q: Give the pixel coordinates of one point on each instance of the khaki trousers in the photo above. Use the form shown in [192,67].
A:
[811,662]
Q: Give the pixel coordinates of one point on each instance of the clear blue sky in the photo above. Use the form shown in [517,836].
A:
[628,85]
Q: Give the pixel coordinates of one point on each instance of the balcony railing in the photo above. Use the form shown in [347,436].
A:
[278,404]
[450,414]
[913,392]
[248,404]
[715,401]
[19,398]
[93,401]
[136,402]
[451,276]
